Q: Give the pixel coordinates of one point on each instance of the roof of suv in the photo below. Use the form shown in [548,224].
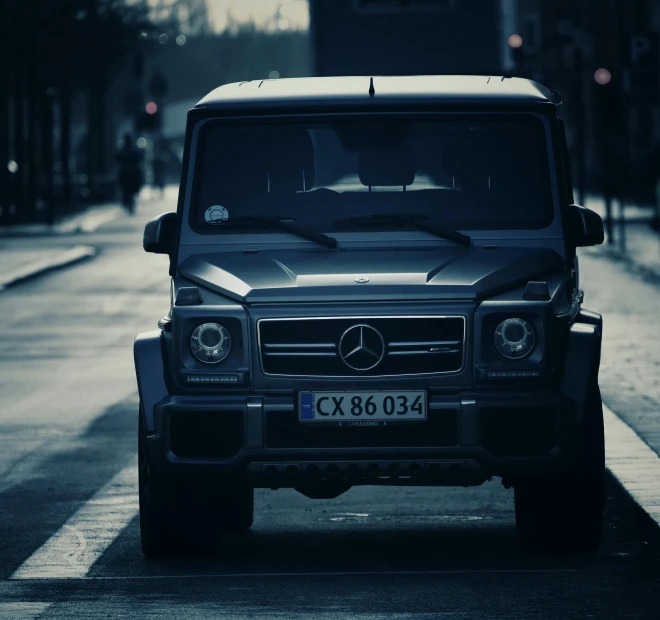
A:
[470,89]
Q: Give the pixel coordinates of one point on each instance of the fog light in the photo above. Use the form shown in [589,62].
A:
[514,338]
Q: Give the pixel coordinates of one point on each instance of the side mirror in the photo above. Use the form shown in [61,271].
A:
[586,226]
[159,234]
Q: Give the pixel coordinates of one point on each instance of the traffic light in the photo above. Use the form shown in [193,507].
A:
[150,118]
[515,42]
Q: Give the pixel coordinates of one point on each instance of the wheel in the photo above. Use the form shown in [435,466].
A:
[178,515]
[237,508]
[563,513]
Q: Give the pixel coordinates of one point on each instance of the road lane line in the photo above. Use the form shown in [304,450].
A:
[83,539]
[23,610]
[375,573]
[633,463]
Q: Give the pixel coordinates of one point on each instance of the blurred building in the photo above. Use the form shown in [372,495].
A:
[602,56]
[363,37]
[76,80]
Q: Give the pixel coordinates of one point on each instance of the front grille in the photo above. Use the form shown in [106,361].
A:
[283,430]
[362,346]
[201,434]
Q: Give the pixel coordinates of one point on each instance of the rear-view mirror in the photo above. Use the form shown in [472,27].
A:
[586,226]
[159,234]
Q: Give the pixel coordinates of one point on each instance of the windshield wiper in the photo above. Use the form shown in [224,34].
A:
[413,220]
[282,224]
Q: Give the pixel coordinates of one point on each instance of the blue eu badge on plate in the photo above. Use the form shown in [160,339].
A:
[307,406]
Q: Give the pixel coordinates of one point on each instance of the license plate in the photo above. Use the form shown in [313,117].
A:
[362,408]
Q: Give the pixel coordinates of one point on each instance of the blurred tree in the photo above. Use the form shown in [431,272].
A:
[49,51]
[188,17]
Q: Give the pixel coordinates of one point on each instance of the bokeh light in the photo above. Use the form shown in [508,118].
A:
[283,24]
[141,143]
[163,38]
[602,76]
[181,39]
[12,166]
[273,75]
[151,107]
[515,41]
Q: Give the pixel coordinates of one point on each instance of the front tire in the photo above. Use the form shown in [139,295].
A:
[563,513]
[237,512]
[178,515]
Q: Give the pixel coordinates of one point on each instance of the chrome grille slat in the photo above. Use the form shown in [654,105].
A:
[301,345]
[420,352]
[435,343]
[299,354]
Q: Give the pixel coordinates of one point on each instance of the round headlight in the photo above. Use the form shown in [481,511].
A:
[514,338]
[210,343]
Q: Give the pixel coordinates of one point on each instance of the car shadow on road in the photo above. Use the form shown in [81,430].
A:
[346,542]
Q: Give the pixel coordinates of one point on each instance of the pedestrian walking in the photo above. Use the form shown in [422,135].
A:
[159,164]
[129,173]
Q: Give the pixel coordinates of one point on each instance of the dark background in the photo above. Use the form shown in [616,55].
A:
[77,75]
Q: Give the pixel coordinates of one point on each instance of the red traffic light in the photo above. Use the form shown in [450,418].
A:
[515,41]
[602,76]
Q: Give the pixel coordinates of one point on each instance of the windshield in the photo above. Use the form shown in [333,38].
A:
[463,172]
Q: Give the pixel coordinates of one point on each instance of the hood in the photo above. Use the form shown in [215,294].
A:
[359,275]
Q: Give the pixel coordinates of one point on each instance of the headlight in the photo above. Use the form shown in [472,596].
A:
[210,343]
[514,338]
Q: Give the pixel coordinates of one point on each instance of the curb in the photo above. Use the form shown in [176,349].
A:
[61,259]
[635,466]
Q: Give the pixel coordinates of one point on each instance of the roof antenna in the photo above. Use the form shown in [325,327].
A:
[372,92]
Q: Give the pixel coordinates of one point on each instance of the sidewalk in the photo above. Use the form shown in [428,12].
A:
[24,252]
[639,246]
[86,221]
[30,250]
[622,282]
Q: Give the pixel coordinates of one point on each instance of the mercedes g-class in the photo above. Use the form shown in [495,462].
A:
[374,281]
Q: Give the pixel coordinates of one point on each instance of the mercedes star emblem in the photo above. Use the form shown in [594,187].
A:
[361,347]
[362,279]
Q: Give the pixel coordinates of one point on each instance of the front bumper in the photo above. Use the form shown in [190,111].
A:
[466,439]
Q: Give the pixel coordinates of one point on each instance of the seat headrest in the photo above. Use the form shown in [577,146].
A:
[387,167]
[469,162]
[254,161]
[287,157]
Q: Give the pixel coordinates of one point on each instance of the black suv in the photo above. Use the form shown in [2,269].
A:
[374,281]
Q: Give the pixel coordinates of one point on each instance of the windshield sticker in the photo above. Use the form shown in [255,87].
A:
[216,215]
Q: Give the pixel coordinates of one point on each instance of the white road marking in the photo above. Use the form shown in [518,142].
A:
[633,463]
[23,610]
[83,539]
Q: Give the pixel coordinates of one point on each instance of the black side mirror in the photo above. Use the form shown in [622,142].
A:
[159,234]
[586,226]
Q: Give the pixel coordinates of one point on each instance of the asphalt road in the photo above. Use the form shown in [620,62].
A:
[68,408]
